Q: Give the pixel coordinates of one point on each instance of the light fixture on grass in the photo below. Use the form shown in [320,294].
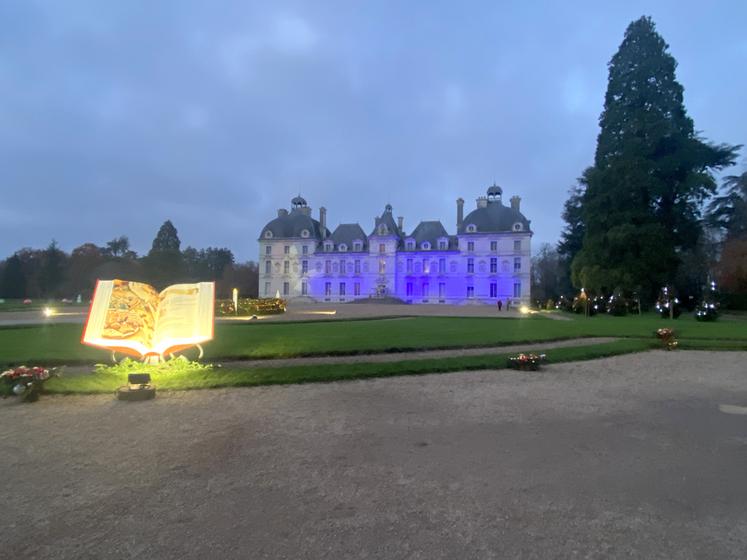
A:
[138,388]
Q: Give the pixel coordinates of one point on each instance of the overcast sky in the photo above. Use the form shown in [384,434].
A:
[118,115]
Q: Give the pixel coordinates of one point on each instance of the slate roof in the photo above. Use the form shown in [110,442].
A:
[388,220]
[495,217]
[431,231]
[347,233]
[292,224]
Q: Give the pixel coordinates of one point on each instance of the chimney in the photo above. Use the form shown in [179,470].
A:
[282,212]
[460,212]
[515,202]
[482,202]
[401,224]
[323,221]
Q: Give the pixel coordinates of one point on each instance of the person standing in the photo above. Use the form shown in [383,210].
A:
[500,305]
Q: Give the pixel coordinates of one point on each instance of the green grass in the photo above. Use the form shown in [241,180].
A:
[203,379]
[35,305]
[54,344]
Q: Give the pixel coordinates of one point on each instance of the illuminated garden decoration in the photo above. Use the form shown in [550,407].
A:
[24,382]
[668,305]
[133,318]
[249,306]
[707,310]
[527,362]
[667,338]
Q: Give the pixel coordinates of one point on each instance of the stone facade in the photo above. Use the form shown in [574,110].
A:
[488,259]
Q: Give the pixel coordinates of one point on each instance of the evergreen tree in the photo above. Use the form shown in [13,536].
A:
[728,212]
[164,263]
[651,173]
[14,279]
[52,272]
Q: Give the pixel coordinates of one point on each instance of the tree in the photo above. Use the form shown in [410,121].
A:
[52,271]
[546,274]
[84,261]
[14,279]
[164,264]
[572,236]
[732,267]
[728,212]
[119,247]
[651,173]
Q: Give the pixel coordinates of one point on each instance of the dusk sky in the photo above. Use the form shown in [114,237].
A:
[115,116]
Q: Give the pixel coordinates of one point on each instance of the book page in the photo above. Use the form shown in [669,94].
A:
[122,316]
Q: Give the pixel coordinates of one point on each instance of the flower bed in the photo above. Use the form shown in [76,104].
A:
[527,362]
[25,382]
[249,306]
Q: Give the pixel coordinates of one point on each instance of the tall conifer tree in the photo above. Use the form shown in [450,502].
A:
[651,173]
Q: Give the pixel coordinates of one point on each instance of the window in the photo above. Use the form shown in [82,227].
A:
[304,267]
[304,233]
[517,289]
[493,265]
[493,246]
[409,266]
[268,249]
[470,246]
[304,288]
[305,249]
[441,266]
[382,248]
[410,245]
[426,289]
[357,289]
[425,246]
[342,266]
[267,288]
[342,288]
[382,267]
[328,288]
[357,266]
[409,288]
[493,289]
[342,248]
[286,288]
[268,267]
[471,228]
[328,246]
[517,264]
[470,292]
[517,226]
[357,246]
[441,290]
[470,266]
[443,245]
[517,245]
[268,234]
[382,229]
[426,267]
[286,250]
[286,267]
[327,267]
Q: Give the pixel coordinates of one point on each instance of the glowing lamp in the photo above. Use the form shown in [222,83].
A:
[48,311]
[524,309]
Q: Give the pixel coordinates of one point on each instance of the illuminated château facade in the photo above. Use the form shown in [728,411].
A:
[488,259]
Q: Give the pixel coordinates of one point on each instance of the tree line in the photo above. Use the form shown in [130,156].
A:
[649,212]
[52,273]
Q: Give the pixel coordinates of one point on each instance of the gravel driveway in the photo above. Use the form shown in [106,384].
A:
[641,456]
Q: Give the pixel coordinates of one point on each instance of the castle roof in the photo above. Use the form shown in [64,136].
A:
[348,233]
[292,225]
[387,219]
[494,217]
[431,231]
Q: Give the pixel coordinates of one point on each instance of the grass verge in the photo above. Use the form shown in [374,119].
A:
[186,380]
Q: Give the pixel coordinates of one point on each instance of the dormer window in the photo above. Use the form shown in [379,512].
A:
[425,245]
[268,234]
[357,246]
[443,244]
[328,246]
[382,229]
[471,228]
[410,245]
[304,233]
[517,226]
[342,247]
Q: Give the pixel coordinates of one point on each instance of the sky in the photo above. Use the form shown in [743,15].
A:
[115,116]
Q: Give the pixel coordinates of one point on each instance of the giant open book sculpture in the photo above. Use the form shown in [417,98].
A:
[133,318]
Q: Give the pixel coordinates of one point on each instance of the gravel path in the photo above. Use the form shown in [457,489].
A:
[637,456]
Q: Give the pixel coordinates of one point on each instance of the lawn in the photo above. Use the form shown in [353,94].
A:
[54,344]
[181,380]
